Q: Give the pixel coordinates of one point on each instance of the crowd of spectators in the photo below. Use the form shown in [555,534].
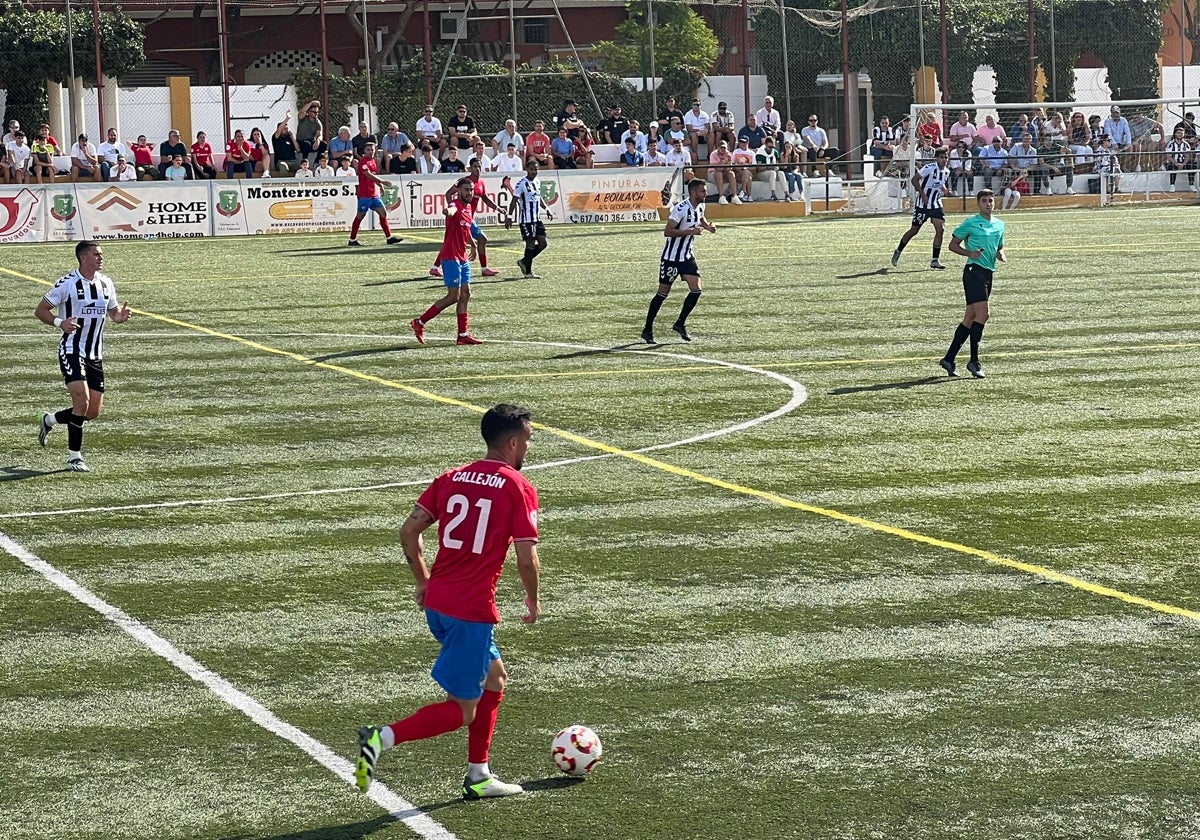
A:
[1038,147]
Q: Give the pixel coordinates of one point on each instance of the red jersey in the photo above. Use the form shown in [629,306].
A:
[365,167]
[480,192]
[458,232]
[201,154]
[143,155]
[481,509]
[538,143]
[237,152]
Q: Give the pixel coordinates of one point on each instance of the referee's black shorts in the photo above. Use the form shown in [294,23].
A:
[977,283]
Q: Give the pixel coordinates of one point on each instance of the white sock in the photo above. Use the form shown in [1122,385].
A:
[387,738]
[478,772]
[51,421]
[72,455]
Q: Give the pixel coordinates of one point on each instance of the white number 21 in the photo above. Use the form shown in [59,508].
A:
[458,507]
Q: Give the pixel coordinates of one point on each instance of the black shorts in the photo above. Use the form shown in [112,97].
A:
[923,214]
[669,272]
[977,283]
[76,368]
[533,230]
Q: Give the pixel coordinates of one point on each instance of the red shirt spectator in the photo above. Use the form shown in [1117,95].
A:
[237,150]
[201,151]
[143,152]
[537,143]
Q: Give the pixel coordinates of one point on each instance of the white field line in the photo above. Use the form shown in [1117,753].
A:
[799,395]
[400,808]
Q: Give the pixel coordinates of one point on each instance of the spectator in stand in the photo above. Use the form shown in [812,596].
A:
[143,158]
[1116,127]
[319,147]
[285,152]
[1108,163]
[428,163]
[903,131]
[696,123]
[537,146]
[721,126]
[429,128]
[993,162]
[767,161]
[988,132]
[1019,129]
[202,157]
[84,161]
[322,169]
[1188,124]
[929,126]
[13,127]
[1177,156]
[634,133]
[584,155]
[667,114]
[304,170]
[14,162]
[816,142]
[679,156]
[1053,132]
[791,135]
[260,153]
[562,150]
[177,171]
[791,163]
[1023,163]
[168,150]
[123,171]
[883,143]
[342,144]
[654,155]
[720,167]
[309,129]
[462,129]
[769,119]
[41,156]
[617,126]
[345,167]
[654,138]
[631,156]
[925,151]
[676,131]
[961,168]
[109,151]
[408,161]
[479,152]
[1079,137]
[389,147]
[45,129]
[752,132]
[1148,144]
[1095,132]
[962,129]
[452,164]
[507,135]
[604,126]
[510,161]
[237,156]
[1056,160]
[569,119]
[743,169]
[360,140]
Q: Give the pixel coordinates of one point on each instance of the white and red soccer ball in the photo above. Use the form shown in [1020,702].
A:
[576,750]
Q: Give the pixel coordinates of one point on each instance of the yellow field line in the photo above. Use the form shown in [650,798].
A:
[683,472]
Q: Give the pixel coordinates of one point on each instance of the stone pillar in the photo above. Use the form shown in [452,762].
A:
[77,109]
[111,105]
[58,123]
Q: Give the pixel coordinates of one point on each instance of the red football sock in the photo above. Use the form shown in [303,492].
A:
[354,227]
[387,231]
[479,732]
[430,314]
[462,323]
[429,722]
[482,258]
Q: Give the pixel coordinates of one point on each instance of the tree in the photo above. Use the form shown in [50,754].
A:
[681,39]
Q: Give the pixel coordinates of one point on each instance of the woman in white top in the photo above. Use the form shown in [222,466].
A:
[791,135]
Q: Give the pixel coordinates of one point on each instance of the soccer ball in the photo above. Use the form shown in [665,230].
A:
[576,750]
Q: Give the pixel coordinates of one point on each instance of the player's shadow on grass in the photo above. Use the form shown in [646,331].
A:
[550,783]
[894,386]
[371,351]
[580,354]
[400,280]
[14,473]
[350,831]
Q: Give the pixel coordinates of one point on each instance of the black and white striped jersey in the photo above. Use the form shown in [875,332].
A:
[685,216]
[89,302]
[1178,150]
[883,135]
[933,183]
[529,199]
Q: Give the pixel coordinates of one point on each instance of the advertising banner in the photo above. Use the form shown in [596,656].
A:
[276,205]
[423,197]
[21,215]
[145,211]
[610,195]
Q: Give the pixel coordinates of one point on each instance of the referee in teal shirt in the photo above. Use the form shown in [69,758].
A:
[981,240]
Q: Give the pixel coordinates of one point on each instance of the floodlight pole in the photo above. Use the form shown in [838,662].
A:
[71,70]
[324,60]
[99,69]
[653,68]
[428,60]
[846,85]
[223,57]
[1053,57]
[367,58]
[924,94]
[787,76]
[945,60]
[512,51]
[1032,56]
[746,56]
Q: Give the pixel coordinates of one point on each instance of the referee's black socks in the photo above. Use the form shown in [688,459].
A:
[976,337]
[961,334]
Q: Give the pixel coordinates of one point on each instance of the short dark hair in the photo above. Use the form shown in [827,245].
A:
[984,194]
[80,247]
[697,182]
[501,422]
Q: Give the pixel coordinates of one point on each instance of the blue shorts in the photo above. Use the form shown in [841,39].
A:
[468,648]
[476,231]
[455,273]
[365,204]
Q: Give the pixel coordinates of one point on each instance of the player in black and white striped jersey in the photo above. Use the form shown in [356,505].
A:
[685,223]
[527,195]
[930,181]
[1177,155]
[84,299]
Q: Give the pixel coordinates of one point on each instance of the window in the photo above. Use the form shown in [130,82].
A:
[536,30]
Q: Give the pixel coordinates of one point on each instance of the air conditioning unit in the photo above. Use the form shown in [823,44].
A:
[454,25]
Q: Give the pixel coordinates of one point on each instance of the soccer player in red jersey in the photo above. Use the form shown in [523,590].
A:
[455,262]
[480,509]
[481,240]
[368,195]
